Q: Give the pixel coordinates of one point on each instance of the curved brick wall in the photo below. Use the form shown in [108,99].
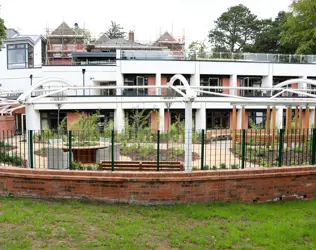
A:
[258,185]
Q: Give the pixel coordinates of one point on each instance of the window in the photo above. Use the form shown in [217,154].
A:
[108,92]
[251,82]
[135,81]
[20,56]
[207,81]
[217,119]
[257,118]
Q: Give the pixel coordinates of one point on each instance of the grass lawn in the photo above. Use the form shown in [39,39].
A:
[35,224]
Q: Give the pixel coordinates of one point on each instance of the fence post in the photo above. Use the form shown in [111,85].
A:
[112,149]
[70,149]
[314,146]
[202,150]
[281,147]
[243,148]
[158,149]
[31,153]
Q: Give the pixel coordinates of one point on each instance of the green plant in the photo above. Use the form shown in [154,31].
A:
[294,163]
[260,152]
[305,163]
[214,167]
[223,166]
[275,163]
[206,167]
[3,144]
[108,127]
[299,149]
[9,159]
[195,169]
[263,163]
[77,166]
[180,151]
[85,128]
[234,166]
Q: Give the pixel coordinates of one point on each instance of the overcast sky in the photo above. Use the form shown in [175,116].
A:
[194,18]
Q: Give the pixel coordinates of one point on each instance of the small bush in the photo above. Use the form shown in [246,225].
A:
[260,152]
[214,167]
[207,167]
[223,166]
[234,166]
[195,169]
[263,163]
[305,163]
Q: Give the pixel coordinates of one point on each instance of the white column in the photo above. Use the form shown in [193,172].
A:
[119,75]
[267,81]
[195,78]
[162,120]
[33,122]
[33,118]
[158,83]
[200,117]
[239,117]
[119,121]
[233,83]
[302,85]
[279,117]
[188,137]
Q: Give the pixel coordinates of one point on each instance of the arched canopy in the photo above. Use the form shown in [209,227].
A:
[190,93]
[291,81]
[23,98]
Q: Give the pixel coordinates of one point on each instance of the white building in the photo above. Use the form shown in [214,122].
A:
[23,68]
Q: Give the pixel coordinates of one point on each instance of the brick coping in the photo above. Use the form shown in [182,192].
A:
[155,176]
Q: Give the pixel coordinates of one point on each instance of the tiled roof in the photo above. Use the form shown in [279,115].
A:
[63,29]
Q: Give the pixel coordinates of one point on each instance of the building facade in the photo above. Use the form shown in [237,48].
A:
[142,72]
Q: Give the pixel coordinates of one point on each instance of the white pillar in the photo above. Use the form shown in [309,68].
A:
[233,83]
[33,122]
[239,117]
[279,117]
[33,118]
[200,117]
[119,120]
[188,137]
[119,75]
[195,78]
[162,120]
[158,83]
[267,81]
[302,85]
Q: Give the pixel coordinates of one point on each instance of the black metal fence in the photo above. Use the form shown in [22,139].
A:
[211,149]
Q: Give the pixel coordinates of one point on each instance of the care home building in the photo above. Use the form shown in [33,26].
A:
[135,72]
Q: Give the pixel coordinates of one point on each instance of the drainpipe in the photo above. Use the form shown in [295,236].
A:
[31,79]
[83,81]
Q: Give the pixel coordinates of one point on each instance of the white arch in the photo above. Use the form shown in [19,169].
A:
[298,80]
[23,97]
[190,93]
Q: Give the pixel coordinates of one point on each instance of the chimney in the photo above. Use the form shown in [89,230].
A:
[131,35]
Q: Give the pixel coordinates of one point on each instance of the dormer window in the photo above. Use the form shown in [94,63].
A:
[20,56]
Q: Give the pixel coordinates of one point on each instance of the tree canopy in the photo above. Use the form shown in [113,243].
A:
[300,27]
[115,31]
[3,33]
[197,50]
[268,40]
[234,29]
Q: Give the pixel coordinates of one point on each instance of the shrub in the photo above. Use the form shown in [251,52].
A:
[260,152]
[3,144]
[263,163]
[207,167]
[180,151]
[14,160]
[234,166]
[195,169]
[214,167]
[305,163]
[223,166]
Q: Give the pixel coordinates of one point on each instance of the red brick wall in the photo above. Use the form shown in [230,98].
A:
[151,82]
[7,123]
[251,185]
[71,118]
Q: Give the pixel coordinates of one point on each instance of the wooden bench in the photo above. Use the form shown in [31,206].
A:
[141,166]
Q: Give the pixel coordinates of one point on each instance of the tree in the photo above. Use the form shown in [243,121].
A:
[86,33]
[299,28]
[115,31]
[197,50]
[268,40]
[3,33]
[234,29]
